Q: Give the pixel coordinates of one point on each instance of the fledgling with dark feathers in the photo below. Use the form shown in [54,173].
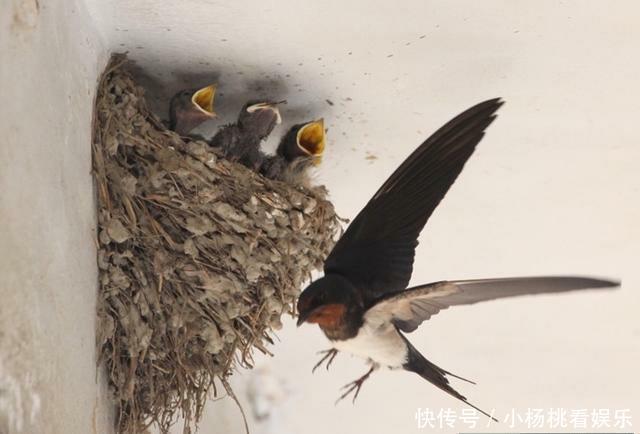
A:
[241,140]
[301,148]
[362,303]
[190,107]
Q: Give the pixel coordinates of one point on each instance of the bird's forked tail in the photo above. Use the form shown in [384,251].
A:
[437,376]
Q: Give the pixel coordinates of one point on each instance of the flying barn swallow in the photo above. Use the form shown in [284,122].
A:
[300,148]
[362,304]
[241,140]
[189,108]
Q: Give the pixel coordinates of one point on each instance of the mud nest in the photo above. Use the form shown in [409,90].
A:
[199,258]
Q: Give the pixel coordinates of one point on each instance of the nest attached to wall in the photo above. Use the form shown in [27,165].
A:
[199,258]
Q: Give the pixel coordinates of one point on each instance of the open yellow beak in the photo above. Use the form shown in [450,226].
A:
[311,140]
[203,100]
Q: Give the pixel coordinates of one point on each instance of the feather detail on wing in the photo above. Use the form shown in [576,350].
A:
[377,250]
[409,308]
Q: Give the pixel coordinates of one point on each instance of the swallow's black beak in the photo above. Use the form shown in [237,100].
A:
[301,319]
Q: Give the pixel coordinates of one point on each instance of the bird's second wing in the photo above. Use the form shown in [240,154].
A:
[376,252]
[408,309]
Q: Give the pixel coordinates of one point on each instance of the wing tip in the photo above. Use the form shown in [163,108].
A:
[498,100]
[588,282]
[477,117]
[493,103]
[607,283]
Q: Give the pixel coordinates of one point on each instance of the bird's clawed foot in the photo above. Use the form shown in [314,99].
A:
[355,386]
[328,354]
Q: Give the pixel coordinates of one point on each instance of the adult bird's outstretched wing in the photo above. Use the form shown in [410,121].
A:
[409,308]
[377,250]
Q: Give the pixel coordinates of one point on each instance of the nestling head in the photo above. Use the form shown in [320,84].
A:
[259,118]
[306,140]
[189,108]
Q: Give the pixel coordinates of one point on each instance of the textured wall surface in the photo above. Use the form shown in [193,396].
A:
[50,58]
[553,188]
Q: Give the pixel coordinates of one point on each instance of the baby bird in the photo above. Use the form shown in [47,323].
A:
[301,148]
[190,107]
[241,141]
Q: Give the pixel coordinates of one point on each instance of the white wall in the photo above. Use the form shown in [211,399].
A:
[554,187]
[50,58]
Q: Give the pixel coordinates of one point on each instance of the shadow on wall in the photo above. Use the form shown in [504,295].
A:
[234,90]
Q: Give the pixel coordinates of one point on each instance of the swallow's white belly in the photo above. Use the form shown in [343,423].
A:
[381,345]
